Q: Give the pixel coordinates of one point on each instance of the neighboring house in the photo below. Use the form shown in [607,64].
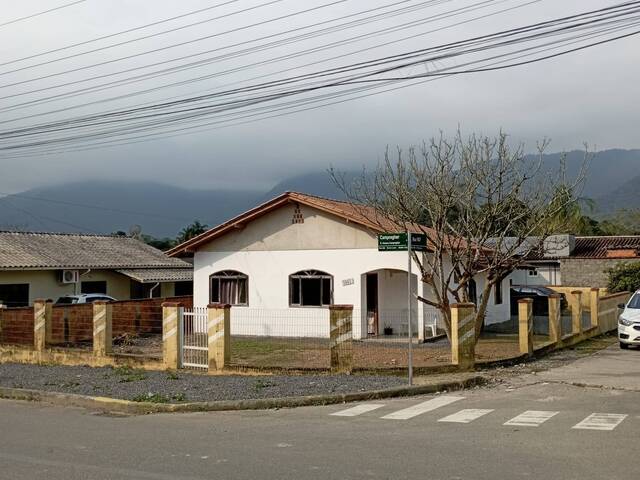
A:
[51,265]
[584,263]
[298,252]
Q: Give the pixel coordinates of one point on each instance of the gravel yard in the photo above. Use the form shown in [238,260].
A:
[178,387]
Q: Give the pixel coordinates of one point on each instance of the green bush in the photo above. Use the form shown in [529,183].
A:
[624,277]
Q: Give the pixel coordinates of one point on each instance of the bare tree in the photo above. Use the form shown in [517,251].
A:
[484,206]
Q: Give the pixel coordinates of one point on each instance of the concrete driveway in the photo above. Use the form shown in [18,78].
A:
[610,368]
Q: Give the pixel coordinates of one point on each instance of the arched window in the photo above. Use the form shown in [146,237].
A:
[228,286]
[310,288]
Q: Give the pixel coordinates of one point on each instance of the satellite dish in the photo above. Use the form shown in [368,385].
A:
[135,231]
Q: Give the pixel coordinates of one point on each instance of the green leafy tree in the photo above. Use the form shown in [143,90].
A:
[192,230]
[624,277]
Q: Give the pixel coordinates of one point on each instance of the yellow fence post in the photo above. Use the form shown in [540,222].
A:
[463,335]
[40,324]
[555,322]
[576,313]
[170,334]
[218,335]
[102,338]
[594,302]
[341,340]
[525,325]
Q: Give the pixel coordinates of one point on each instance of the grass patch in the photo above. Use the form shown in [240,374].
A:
[159,398]
[128,374]
[261,384]
[151,398]
[172,375]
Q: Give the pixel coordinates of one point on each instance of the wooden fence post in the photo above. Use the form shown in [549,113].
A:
[525,325]
[341,339]
[219,335]
[463,335]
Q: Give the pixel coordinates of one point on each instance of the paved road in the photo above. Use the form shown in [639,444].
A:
[529,427]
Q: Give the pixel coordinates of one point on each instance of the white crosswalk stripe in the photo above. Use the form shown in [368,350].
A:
[358,410]
[467,415]
[423,407]
[600,421]
[531,418]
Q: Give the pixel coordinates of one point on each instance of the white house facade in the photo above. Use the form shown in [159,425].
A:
[282,264]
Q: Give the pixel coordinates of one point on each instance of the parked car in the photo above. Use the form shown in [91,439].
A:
[540,296]
[84,298]
[629,322]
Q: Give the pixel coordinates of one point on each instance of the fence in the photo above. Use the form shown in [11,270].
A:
[221,337]
[71,325]
[16,326]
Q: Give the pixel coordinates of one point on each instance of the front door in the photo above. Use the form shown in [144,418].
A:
[372,304]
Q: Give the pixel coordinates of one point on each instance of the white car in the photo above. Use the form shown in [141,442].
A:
[84,298]
[629,322]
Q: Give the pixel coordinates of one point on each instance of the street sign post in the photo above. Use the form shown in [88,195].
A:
[400,242]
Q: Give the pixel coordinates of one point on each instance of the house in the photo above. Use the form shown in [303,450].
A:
[297,253]
[50,265]
[583,263]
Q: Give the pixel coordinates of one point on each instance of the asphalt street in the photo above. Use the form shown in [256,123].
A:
[538,425]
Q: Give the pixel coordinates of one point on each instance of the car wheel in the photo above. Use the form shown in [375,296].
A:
[624,346]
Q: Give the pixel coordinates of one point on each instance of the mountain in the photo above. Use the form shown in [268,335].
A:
[162,210]
[105,207]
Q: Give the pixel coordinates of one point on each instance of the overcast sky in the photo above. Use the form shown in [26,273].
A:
[591,96]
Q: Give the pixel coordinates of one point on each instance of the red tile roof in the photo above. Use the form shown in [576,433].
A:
[607,247]
[365,216]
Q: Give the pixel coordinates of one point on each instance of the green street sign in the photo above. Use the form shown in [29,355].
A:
[394,242]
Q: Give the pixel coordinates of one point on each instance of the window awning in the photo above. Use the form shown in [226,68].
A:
[155,275]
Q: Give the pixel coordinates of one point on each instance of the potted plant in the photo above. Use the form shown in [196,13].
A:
[388,330]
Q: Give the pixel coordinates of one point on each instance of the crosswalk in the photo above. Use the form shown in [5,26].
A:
[528,418]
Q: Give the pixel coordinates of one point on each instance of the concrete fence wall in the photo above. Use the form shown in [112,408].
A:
[608,310]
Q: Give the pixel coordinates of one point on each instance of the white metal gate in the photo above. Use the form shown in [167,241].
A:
[194,350]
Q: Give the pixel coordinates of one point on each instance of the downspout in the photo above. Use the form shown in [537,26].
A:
[153,288]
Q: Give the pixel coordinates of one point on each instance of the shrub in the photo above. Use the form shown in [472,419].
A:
[624,277]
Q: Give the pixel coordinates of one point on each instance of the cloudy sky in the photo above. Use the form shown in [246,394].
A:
[590,96]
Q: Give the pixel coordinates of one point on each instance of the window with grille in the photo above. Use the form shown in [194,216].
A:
[228,286]
[310,288]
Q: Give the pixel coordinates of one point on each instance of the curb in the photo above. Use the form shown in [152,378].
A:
[113,405]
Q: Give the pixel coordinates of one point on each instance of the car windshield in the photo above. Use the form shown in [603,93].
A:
[634,302]
[67,300]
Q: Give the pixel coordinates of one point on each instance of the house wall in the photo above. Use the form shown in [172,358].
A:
[45,284]
[581,272]
[547,275]
[272,247]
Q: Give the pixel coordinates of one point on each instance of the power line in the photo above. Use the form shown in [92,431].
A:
[33,15]
[121,32]
[358,72]
[238,53]
[89,206]
[168,47]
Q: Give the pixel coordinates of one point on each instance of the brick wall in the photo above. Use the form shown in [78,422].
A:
[72,323]
[142,316]
[16,325]
[580,272]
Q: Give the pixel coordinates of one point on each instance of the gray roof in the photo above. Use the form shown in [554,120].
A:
[154,275]
[49,251]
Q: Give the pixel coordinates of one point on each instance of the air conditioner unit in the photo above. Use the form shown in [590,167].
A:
[69,276]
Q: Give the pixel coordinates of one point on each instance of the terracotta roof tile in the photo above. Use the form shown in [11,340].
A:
[607,247]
